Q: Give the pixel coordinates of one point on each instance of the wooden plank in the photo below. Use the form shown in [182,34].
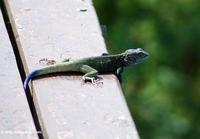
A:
[15,117]
[67,107]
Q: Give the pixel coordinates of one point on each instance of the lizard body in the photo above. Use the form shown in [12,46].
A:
[92,66]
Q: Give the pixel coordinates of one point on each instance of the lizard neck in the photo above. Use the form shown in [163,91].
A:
[118,59]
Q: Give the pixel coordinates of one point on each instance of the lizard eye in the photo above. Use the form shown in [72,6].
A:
[140,54]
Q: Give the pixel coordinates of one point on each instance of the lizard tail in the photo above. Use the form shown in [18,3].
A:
[47,70]
[29,77]
[51,69]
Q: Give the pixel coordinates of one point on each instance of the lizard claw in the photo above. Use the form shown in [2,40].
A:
[97,82]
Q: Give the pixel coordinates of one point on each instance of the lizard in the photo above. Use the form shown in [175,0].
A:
[92,66]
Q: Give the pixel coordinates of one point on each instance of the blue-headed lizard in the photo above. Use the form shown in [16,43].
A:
[92,66]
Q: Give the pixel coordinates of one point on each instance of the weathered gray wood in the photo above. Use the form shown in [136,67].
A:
[15,117]
[67,107]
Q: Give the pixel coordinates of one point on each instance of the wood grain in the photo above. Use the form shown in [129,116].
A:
[15,117]
[67,107]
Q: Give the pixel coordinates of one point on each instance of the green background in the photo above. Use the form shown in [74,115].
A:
[163,93]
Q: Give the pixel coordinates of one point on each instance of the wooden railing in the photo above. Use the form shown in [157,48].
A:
[58,107]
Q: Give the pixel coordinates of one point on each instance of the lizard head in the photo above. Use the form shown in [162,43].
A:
[134,56]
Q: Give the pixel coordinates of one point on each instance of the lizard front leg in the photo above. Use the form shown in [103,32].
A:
[90,73]
[119,73]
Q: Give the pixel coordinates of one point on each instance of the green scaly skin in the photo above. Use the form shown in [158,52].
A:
[92,66]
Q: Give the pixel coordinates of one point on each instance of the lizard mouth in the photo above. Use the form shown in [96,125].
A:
[146,55]
[143,58]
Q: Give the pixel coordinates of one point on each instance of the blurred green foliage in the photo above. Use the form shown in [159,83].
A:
[163,93]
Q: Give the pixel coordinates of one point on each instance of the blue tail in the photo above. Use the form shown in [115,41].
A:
[30,76]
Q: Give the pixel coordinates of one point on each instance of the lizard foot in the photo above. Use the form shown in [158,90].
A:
[46,61]
[94,80]
[97,82]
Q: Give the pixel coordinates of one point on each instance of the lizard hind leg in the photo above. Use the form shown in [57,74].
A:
[66,60]
[90,74]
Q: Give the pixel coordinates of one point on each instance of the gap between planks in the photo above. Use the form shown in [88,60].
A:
[20,66]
